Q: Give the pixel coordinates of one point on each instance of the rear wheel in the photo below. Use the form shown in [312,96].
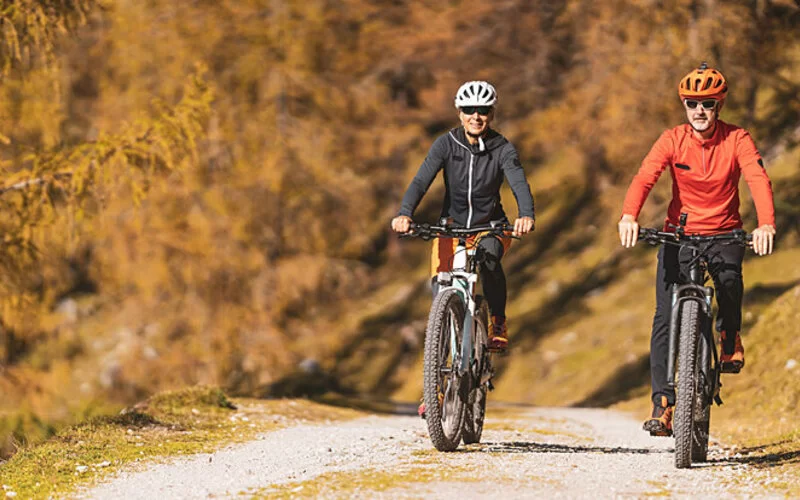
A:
[442,393]
[688,375]
[475,410]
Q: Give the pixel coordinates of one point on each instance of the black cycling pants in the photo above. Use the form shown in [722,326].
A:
[492,276]
[725,267]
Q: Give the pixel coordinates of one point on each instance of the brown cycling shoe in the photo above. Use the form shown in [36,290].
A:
[660,421]
[731,362]
[498,335]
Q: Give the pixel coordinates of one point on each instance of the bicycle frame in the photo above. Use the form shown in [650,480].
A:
[693,290]
[463,278]
[454,376]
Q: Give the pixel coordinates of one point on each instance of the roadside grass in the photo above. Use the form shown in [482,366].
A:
[192,420]
[760,410]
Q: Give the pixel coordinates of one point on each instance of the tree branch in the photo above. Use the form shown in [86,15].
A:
[19,186]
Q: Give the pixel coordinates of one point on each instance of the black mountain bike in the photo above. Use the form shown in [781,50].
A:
[691,342]
[457,366]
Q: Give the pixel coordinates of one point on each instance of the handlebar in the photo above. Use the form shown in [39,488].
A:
[430,231]
[655,236]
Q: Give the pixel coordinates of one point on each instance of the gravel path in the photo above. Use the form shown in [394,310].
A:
[525,453]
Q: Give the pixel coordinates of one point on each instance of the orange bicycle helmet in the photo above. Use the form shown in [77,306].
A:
[703,83]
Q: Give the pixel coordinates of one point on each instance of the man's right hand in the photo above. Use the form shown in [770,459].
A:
[401,224]
[628,231]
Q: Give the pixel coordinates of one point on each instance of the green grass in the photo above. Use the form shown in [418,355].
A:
[193,420]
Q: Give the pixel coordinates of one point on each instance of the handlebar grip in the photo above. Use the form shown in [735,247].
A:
[644,232]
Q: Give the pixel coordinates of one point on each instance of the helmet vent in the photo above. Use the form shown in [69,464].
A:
[703,82]
[476,93]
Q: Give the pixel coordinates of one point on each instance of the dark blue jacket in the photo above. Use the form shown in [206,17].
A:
[472,179]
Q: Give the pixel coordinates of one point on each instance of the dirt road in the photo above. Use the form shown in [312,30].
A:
[525,453]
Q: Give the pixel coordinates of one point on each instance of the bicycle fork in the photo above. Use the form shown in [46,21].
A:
[678,299]
[467,347]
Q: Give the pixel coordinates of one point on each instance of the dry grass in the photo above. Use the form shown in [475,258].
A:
[190,421]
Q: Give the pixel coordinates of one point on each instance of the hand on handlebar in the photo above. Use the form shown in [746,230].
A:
[401,224]
[763,239]
[523,225]
[628,231]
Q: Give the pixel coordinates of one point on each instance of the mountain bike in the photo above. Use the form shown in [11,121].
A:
[457,363]
[691,341]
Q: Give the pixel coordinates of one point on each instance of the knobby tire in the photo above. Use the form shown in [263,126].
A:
[444,400]
[688,343]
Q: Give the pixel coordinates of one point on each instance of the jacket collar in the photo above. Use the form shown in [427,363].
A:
[711,141]
[491,140]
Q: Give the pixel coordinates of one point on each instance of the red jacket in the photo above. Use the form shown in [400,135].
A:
[705,178]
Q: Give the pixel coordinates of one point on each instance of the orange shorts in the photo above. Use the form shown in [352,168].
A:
[444,249]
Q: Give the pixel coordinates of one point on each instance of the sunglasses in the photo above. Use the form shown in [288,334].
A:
[482,110]
[707,104]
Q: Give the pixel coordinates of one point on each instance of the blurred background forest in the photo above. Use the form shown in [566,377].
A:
[200,192]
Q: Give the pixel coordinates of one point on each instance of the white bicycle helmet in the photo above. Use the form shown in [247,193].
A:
[477,93]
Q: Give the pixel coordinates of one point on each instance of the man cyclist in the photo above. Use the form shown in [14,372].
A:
[475,158]
[706,158]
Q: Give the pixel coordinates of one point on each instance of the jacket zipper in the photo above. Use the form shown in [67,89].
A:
[469,191]
[703,149]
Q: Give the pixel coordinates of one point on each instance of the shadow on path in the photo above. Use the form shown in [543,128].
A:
[532,447]
[751,457]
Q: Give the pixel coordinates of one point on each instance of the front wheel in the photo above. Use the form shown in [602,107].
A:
[475,410]
[688,380]
[442,393]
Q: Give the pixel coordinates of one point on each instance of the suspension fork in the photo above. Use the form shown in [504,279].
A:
[678,299]
[466,277]
[469,325]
